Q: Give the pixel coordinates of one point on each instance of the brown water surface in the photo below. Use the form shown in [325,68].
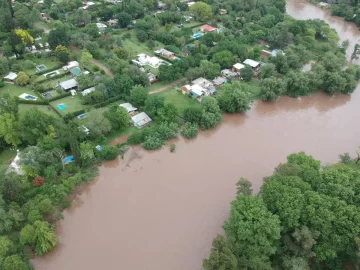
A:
[160,210]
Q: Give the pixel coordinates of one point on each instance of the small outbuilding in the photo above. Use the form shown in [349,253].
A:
[219,81]
[88,91]
[252,63]
[11,77]
[140,120]
[237,67]
[129,108]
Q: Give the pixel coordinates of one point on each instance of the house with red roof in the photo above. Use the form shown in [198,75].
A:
[208,28]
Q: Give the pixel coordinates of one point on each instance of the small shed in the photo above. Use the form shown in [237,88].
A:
[237,67]
[68,85]
[88,91]
[223,11]
[129,108]
[265,53]
[140,120]
[11,77]
[218,81]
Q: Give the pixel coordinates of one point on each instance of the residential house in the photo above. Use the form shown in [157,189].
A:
[129,108]
[88,91]
[219,81]
[208,28]
[223,11]
[68,85]
[265,53]
[140,120]
[45,17]
[254,64]
[10,78]
[152,61]
[112,22]
[152,77]
[228,73]
[165,53]
[199,88]
[162,5]
[237,67]
[71,65]
[101,26]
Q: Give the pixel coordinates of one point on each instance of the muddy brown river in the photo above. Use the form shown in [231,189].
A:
[160,210]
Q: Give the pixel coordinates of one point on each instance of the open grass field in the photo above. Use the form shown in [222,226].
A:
[50,63]
[72,103]
[16,90]
[23,108]
[178,99]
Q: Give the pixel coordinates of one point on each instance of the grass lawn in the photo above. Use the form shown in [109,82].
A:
[16,90]
[54,82]
[72,103]
[7,156]
[42,77]
[157,85]
[50,63]
[23,108]
[178,99]
[134,47]
[118,133]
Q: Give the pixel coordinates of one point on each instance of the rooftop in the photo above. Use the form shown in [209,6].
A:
[141,119]
[128,107]
[238,66]
[11,76]
[251,63]
[219,80]
[68,84]
[203,82]
[208,28]
[88,91]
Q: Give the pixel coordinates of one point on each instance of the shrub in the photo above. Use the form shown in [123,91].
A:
[2,84]
[95,68]
[152,143]
[38,181]
[29,64]
[192,114]
[109,153]
[135,138]
[190,130]
[172,147]
[102,72]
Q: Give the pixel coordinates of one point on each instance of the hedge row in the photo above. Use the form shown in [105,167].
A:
[37,102]
[48,70]
[59,96]
[70,116]
[107,102]
[45,90]
[52,78]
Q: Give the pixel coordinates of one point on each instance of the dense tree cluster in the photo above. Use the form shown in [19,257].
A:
[303,218]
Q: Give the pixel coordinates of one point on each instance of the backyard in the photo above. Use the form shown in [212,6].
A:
[72,104]
[16,90]
[23,108]
[52,83]
[49,62]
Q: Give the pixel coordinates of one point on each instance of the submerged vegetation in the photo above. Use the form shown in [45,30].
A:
[305,217]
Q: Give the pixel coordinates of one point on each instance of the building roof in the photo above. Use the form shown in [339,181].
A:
[128,107]
[219,80]
[238,66]
[164,52]
[203,82]
[68,84]
[101,25]
[251,63]
[71,65]
[197,90]
[208,28]
[88,91]
[141,119]
[11,76]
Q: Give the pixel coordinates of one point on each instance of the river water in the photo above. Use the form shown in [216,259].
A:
[160,210]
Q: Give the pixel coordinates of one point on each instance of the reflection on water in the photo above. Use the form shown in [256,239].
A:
[161,210]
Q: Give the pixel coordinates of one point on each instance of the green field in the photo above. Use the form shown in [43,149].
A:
[72,103]
[23,108]
[16,90]
[48,62]
[178,99]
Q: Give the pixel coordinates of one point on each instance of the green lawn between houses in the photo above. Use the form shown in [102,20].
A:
[72,103]
[24,108]
[50,63]
[16,90]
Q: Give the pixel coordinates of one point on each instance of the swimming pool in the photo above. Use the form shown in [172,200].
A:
[61,107]
[30,97]
[41,67]
[81,116]
[197,35]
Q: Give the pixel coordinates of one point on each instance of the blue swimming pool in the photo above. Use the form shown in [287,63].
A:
[197,35]
[81,116]
[61,107]
[30,97]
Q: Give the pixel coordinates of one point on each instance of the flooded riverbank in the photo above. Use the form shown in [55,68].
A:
[160,210]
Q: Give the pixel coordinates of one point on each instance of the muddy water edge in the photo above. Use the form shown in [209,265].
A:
[160,210]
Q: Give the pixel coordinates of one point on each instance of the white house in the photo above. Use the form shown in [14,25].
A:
[101,26]
[252,63]
[88,91]
[10,78]
[152,61]
[71,65]
[68,85]
[140,120]
[129,108]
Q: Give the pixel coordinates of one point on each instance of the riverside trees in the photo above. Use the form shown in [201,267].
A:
[310,215]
